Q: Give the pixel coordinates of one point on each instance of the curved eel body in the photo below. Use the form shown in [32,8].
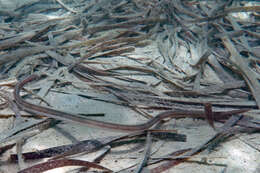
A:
[52,113]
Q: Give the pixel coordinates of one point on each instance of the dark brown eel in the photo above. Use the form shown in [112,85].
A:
[45,111]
